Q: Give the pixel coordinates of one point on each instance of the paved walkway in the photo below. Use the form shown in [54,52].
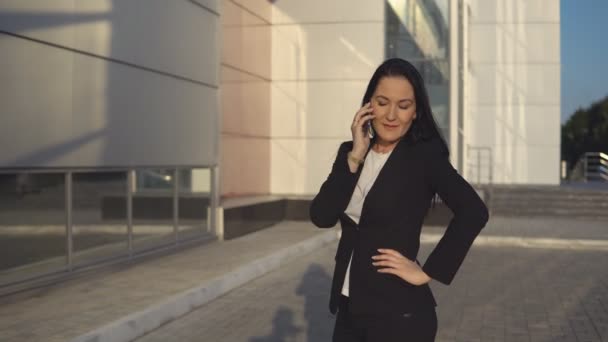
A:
[139,296]
[506,292]
[524,280]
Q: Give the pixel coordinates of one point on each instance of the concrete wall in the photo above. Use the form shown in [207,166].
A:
[108,82]
[514,88]
[293,75]
[245,97]
[323,54]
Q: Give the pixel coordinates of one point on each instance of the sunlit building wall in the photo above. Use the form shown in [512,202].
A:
[245,94]
[512,83]
[293,75]
[323,54]
[491,68]
[292,78]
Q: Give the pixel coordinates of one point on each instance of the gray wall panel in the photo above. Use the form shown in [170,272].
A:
[177,37]
[35,93]
[213,5]
[62,108]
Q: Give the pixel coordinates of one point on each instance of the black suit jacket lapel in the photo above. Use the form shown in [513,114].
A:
[385,180]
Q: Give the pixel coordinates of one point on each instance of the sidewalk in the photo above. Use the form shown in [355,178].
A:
[506,292]
[539,232]
[124,304]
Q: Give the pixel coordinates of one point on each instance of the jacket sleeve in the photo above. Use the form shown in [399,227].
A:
[470,216]
[335,192]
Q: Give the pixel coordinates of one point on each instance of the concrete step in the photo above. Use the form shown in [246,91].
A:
[548,201]
[516,211]
[506,208]
[551,192]
[552,209]
[550,196]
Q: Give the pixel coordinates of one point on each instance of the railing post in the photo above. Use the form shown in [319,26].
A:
[68,220]
[215,223]
[491,166]
[478,167]
[585,161]
[603,165]
[176,203]
[130,189]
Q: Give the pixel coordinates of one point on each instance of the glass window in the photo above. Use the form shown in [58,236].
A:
[417,31]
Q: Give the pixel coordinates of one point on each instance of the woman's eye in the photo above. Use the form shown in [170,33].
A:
[404,108]
[381,104]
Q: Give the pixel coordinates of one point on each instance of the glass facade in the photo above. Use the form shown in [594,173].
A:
[417,31]
[161,180]
[37,241]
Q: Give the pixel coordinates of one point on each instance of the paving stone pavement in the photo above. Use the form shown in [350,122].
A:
[501,293]
[67,310]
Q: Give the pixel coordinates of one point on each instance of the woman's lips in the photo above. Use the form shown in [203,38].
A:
[390,126]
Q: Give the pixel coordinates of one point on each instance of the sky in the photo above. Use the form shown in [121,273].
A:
[584,53]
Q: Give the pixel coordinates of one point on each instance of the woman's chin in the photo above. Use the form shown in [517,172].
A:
[389,136]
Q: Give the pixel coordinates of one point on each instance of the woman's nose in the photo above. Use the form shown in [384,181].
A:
[392,113]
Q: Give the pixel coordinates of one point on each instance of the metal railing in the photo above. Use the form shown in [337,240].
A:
[479,159]
[24,280]
[594,166]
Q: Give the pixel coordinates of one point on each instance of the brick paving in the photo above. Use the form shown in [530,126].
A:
[501,293]
[508,291]
[67,310]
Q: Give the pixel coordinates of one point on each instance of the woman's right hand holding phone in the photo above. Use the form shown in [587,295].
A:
[361,139]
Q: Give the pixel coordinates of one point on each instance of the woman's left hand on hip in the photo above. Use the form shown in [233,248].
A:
[395,263]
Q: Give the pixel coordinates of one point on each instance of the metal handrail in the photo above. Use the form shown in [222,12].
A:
[212,218]
[478,164]
[595,166]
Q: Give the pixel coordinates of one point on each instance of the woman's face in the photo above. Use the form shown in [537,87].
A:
[394,104]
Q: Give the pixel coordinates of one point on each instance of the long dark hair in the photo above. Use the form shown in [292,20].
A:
[424,126]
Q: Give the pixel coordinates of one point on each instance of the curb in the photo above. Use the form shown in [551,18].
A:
[528,242]
[141,322]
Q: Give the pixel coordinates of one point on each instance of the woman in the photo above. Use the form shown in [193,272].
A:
[380,188]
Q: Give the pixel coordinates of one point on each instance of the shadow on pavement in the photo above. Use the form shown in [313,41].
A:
[314,288]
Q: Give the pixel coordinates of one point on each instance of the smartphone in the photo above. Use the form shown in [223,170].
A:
[369,128]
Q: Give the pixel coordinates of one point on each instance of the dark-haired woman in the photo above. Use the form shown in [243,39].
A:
[380,188]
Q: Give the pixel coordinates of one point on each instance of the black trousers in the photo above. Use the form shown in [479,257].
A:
[414,327]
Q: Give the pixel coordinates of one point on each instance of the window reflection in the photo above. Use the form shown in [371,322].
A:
[417,30]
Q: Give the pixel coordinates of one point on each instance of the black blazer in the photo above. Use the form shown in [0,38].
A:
[392,217]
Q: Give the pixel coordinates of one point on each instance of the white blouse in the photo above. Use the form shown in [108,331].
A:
[374,162]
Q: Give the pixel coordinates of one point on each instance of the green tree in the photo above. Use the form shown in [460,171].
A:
[585,131]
